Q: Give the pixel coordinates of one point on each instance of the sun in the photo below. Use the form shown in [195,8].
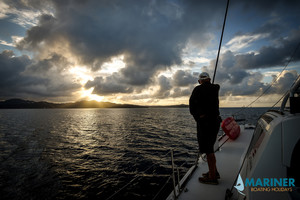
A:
[96,97]
[82,75]
[87,94]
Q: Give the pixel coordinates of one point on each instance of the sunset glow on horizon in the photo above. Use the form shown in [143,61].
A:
[147,54]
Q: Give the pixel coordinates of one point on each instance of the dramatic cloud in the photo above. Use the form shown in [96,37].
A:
[182,78]
[151,35]
[270,56]
[11,67]
[243,41]
[234,67]
[174,86]
[178,92]
[162,46]
[108,85]
[283,82]
[164,87]
[250,85]
[24,13]
[22,77]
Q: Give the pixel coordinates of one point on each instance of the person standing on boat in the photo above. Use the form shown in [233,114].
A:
[204,106]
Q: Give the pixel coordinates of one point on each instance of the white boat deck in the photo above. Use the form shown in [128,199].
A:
[229,160]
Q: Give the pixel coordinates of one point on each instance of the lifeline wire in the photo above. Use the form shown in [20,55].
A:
[135,178]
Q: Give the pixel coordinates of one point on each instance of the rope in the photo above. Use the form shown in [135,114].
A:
[220,41]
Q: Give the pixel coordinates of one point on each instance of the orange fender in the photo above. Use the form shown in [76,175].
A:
[231,128]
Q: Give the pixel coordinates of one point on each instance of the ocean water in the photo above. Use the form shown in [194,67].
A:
[97,153]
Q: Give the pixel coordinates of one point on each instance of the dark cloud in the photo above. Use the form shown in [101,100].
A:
[167,87]
[182,78]
[151,34]
[271,56]
[37,34]
[27,4]
[180,84]
[271,28]
[284,82]
[164,88]
[179,92]
[23,77]
[237,75]
[108,85]
[252,85]
[46,67]
[11,67]
[249,85]
[234,68]
[270,7]
[56,81]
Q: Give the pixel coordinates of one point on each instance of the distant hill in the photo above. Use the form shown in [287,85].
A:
[173,106]
[20,103]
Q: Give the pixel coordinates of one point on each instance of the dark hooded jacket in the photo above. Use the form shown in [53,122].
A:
[204,101]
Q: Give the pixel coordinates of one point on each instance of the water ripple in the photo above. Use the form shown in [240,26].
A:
[92,153]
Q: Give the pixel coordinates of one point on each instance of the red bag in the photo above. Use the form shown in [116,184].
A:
[231,128]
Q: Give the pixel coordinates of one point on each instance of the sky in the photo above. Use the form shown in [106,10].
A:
[147,52]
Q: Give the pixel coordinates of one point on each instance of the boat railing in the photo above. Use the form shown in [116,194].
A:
[177,182]
[174,175]
[181,182]
[178,189]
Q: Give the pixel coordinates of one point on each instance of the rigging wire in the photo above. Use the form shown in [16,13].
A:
[229,192]
[286,92]
[220,41]
[136,177]
[279,99]
[273,82]
[220,44]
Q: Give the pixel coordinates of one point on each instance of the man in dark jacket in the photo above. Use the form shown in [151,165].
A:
[204,106]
